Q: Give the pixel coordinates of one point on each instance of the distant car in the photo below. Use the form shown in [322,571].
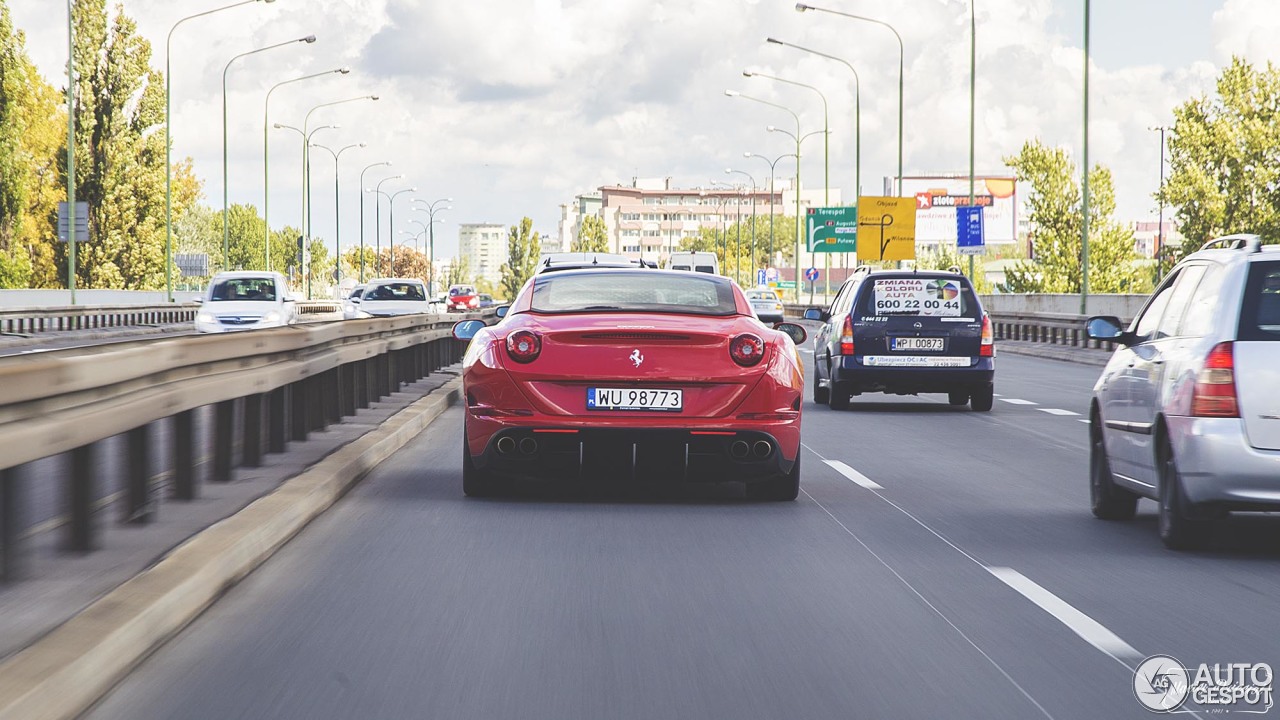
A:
[1187,412]
[766,304]
[904,332]
[555,262]
[647,374]
[245,300]
[388,297]
[486,301]
[351,304]
[706,262]
[462,298]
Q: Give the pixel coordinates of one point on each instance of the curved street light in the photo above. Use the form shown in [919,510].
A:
[737,260]
[385,163]
[772,166]
[337,207]
[306,157]
[391,222]
[168,141]
[306,188]
[226,202]
[431,210]
[266,157]
[377,221]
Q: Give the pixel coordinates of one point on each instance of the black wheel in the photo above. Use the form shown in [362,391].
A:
[1108,501]
[1179,529]
[782,488]
[475,482]
[838,397]
[821,395]
[982,398]
[958,398]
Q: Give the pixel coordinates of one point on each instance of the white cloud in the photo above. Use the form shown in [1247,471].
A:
[512,106]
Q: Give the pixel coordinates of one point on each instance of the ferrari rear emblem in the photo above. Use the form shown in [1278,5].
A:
[636,357]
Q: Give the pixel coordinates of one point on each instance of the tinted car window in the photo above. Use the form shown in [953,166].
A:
[396,291]
[1171,320]
[244,289]
[1198,321]
[1145,326]
[1260,314]
[463,290]
[917,296]
[632,291]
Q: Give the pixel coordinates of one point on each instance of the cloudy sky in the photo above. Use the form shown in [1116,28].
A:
[513,106]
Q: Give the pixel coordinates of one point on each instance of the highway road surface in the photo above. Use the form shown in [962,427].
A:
[938,563]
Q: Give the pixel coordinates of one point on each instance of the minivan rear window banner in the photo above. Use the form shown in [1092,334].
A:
[930,297]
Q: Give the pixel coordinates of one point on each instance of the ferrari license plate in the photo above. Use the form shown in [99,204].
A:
[916,343]
[634,399]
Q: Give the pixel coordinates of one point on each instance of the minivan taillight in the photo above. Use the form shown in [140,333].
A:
[846,336]
[746,349]
[988,348]
[1215,391]
[523,346]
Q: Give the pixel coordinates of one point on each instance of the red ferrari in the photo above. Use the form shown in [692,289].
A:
[649,375]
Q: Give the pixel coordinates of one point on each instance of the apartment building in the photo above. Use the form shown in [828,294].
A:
[484,245]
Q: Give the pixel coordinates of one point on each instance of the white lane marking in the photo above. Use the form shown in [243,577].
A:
[996,395]
[925,600]
[1057,411]
[806,350]
[1089,630]
[1016,401]
[1084,420]
[853,475]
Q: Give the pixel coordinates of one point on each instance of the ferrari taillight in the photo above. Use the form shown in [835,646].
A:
[988,348]
[1215,391]
[746,349]
[846,336]
[523,346]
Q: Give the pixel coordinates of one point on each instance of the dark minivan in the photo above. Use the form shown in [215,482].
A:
[904,332]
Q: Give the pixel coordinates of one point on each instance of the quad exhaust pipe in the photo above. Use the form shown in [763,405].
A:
[762,449]
[739,449]
[528,446]
[506,445]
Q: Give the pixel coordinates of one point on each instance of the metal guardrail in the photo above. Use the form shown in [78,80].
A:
[31,321]
[266,387]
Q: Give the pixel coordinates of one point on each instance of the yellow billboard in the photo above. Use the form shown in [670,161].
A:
[886,228]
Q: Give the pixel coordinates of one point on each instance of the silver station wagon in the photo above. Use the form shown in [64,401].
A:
[1187,411]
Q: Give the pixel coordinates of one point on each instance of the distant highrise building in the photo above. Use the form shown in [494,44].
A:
[484,245]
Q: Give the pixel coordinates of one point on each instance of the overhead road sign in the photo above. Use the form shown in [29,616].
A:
[887,226]
[833,229]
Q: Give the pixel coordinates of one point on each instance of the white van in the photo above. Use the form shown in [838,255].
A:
[706,262]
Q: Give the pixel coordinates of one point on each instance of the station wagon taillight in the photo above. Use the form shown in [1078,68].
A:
[988,348]
[1215,392]
[846,336]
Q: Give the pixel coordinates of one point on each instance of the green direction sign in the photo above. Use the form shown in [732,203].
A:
[832,229]
[786,284]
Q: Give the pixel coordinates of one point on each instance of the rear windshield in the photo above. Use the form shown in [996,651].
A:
[1260,315]
[357,292]
[244,289]
[625,291]
[761,295]
[396,291]
[918,296]
[461,290]
[705,269]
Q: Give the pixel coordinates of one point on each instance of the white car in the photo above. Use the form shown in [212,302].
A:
[351,304]
[388,297]
[245,300]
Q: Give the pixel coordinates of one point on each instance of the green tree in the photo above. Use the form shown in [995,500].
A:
[747,250]
[946,257]
[523,248]
[14,79]
[592,236]
[1224,158]
[459,271]
[1056,220]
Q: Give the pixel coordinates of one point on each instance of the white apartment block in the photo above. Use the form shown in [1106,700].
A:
[484,245]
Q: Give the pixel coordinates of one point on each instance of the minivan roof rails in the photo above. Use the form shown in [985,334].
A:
[1242,241]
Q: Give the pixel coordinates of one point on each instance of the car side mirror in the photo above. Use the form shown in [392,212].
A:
[355,300]
[1106,327]
[501,311]
[815,314]
[198,301]
[467,329]
[797,333]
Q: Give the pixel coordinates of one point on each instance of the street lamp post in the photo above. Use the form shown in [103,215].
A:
[738,260]
[826,158]
[226,202]
[377,220]
[168,141]
[306,190]
[306,158]
[337,212]
[735,93]
[772,166]
[799,141]
[266,155]
[71,150]
[431,210]
[1084,182]
[1160,198]
[362,193]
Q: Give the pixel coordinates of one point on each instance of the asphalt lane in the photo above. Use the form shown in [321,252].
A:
[939,562]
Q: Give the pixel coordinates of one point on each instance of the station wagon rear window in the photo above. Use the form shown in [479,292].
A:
[397,291]
[623,291]
[918,296]
[1260,315]
[258,289]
